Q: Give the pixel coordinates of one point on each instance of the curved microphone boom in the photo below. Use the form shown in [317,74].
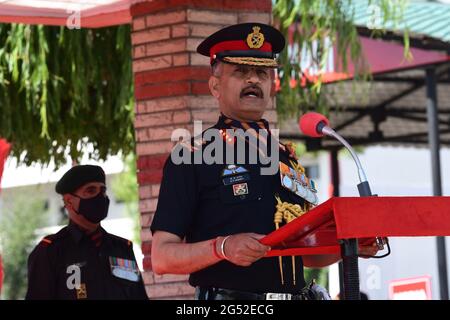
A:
[316,125]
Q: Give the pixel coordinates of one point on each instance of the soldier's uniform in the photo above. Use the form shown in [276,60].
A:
[74,264]
[202,201]
[71,265]
[199,202]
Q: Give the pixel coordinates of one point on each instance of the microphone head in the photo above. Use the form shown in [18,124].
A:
[309,124]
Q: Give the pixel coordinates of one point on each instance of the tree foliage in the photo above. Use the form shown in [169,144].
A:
[18,221]
[125,188]
[61,89]
[314,27]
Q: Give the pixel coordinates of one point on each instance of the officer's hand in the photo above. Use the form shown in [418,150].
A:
[368,250]
[243,249]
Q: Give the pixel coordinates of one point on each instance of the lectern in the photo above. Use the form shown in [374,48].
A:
[322,229]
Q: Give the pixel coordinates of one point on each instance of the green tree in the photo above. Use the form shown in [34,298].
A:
[61,89]
[19,220]
[75,87]
[125,188]
[315,27]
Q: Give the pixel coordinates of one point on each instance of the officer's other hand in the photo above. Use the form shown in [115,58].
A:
[368,250]
[243,249]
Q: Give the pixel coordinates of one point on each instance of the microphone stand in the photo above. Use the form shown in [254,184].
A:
[349,247]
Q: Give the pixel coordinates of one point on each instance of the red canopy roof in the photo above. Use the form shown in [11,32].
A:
[90,13]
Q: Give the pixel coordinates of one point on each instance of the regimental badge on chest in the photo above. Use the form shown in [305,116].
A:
[297,182]
[124,269]
[237,177]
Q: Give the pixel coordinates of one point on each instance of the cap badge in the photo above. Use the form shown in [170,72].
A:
[255,39]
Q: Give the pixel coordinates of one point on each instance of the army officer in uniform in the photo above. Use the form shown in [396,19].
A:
[210,217]
[83,261]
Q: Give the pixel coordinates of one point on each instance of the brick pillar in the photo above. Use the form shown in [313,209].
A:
[171,91]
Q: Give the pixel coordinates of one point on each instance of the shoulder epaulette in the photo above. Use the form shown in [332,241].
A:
[121,240]
[47,240]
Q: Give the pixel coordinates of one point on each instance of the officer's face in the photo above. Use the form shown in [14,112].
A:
[90,190]
[72,203]
[243,91]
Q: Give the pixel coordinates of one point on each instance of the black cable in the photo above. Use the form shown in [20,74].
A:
[377,257]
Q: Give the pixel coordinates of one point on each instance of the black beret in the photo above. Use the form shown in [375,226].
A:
[78,176]
[246,43]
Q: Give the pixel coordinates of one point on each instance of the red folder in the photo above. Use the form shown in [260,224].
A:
[364,218]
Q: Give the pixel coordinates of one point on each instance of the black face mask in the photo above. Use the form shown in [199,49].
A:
[94,209]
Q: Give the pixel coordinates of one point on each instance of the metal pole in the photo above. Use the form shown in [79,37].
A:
[335,181]
[434,141]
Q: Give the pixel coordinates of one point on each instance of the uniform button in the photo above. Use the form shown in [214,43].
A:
[259,198]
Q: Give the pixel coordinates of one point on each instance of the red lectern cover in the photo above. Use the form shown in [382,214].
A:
[318,231]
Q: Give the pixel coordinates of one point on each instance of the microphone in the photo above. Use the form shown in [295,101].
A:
[316,125]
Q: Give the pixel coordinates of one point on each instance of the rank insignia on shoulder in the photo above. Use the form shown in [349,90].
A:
[81,291]
[124,269]
[45,242]
[240,189]
[232,169]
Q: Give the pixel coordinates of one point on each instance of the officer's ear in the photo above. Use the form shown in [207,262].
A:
[68,201]
[214,85]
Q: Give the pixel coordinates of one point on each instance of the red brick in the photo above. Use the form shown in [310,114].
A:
[152,148]
[138,52]
[203,30]
[161,104]
[148,277]
[153,176]
[148,205]
[155,190]
[170,290]
[147,263]
[149,162]
[180,59]
[202,102]
[166,18]
[251,5]
[167,278]
[167,46]
[254,17]
[200,88]
[192,44]
[158,133]
[146,248]
[205,115]
[138,24]
[162,90]
[152,63]
[199,60]
[209,16]
[162,118]
[172,74]
[150,35]
[146,235]
[180,30]
[145,192]
[146,219]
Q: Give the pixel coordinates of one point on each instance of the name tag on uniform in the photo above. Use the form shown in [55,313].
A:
[124,269]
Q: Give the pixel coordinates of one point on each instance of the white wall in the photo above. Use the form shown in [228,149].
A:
[397,171]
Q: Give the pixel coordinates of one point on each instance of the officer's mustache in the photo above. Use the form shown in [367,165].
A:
[252,90]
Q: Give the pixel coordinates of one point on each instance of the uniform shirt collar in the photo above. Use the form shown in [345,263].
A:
[227,122]
[77,233]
